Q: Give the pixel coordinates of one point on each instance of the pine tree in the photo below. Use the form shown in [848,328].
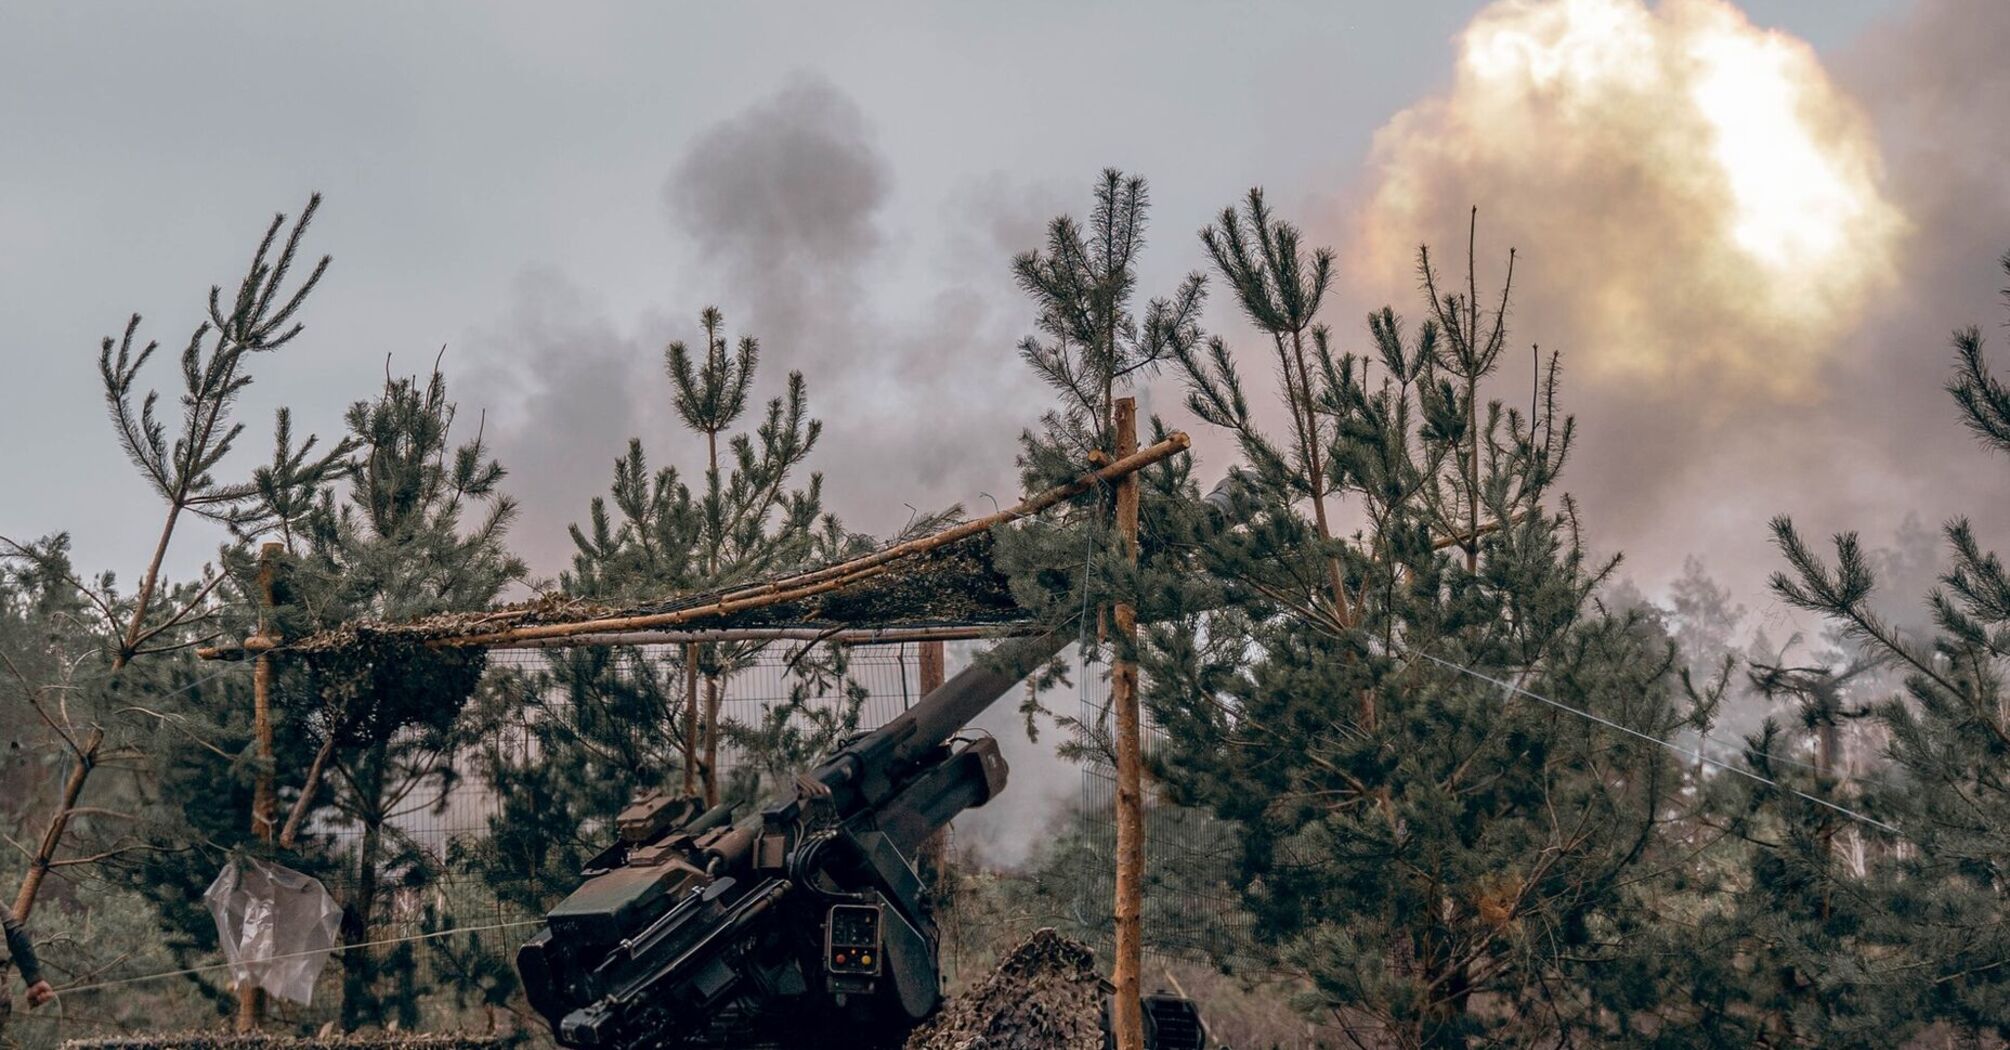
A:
[1925,941]
[1090,344]
[409,521]
[1415,832]
[611,721]
[396,549]
[1090,339]
[749,523]
[121,661]
[1280,290]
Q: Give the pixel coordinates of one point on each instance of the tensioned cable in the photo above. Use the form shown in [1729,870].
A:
[1696,754]
[297,955]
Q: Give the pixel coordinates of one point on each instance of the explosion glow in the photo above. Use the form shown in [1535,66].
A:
[1696,199]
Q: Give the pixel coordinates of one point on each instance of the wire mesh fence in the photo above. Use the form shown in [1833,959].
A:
[445,800]
[1191,909]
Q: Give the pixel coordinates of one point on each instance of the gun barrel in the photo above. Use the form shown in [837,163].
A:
[946,710]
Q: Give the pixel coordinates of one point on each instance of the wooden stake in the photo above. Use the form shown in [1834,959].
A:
[931,666]
[1127,1006]
[265,800]
[265,797]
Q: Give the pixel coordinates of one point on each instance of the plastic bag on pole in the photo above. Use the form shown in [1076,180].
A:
[277,926]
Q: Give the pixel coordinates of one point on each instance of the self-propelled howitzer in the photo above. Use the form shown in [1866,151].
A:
[803,924]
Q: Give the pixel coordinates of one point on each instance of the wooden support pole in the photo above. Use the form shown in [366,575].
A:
[265,798]
[265,794]
[931,666]
[1127,1006]
[714,696]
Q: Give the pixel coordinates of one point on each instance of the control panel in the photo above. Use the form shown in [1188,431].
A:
[852,940]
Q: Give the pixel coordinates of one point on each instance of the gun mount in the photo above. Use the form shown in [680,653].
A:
[804,923]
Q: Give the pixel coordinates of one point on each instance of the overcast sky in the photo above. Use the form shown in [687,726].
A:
[553,196]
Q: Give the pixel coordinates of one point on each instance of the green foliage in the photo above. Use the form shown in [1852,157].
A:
[1280,290]
[603,723]
[609,722]
[260,318]
[396,549]
[1863,935]
[745,522]
[1413,840]
[822,709]
[1083,286]
[410,521]
[108,674]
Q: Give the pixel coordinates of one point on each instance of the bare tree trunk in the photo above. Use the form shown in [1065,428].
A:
[148,583]
[933,856]
[1827,742]
[1127,1007]
[360,1003]
[1315,463]
[712,700]
[1305,415]
[308,789]
[690,745]
[52,838]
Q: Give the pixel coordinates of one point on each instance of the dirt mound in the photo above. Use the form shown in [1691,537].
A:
[1046,995]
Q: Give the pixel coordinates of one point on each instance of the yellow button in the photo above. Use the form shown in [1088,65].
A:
[865,960]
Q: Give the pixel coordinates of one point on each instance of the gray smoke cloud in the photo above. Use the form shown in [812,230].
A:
[922,402]
[783,211]
[785,205]
[562,389]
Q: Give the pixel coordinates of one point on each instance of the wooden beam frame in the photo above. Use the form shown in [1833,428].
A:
[832,577]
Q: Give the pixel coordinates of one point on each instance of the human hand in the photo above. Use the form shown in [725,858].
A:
[39,993]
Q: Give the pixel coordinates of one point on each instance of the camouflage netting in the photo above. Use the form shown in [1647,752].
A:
[1046,995]
[380,683]
[232,1041]
[953,584]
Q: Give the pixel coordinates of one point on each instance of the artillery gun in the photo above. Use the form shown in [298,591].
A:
[803,924]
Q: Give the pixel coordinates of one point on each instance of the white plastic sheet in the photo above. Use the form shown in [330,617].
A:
[276,925]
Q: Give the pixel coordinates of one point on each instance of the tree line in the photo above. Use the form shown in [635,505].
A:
[1473,790]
